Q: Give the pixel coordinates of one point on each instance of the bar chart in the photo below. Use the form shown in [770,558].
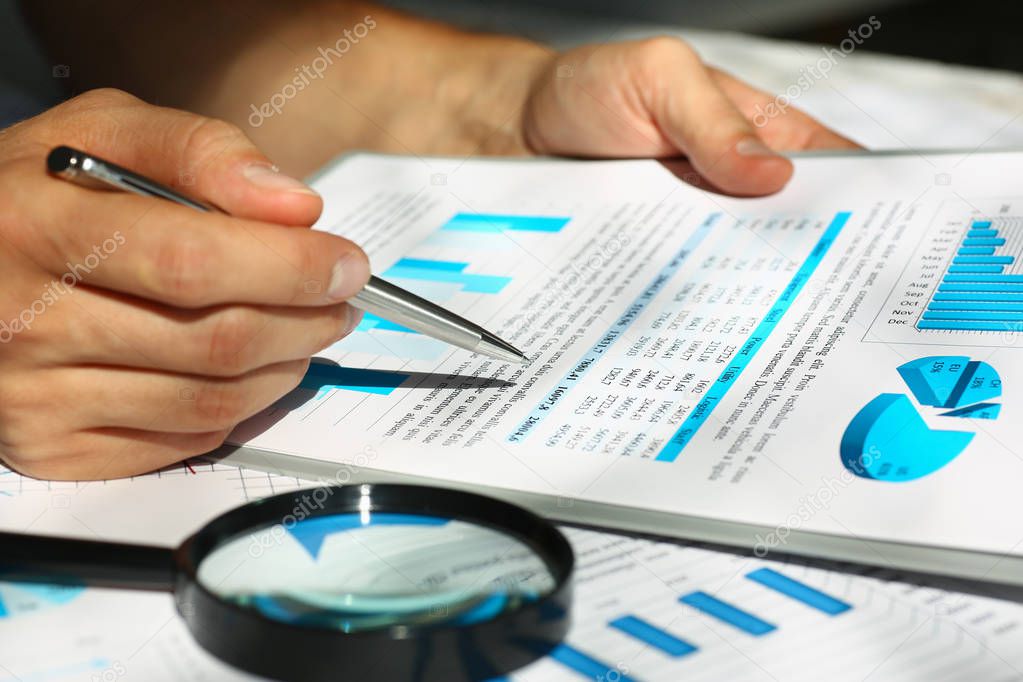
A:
[735,620]
[962,278]
[981,290]
[470,243]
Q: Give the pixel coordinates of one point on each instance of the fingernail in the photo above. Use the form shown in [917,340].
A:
[348,277]
[269,177]
[752,146]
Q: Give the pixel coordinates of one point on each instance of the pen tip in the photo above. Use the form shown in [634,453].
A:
[497,348]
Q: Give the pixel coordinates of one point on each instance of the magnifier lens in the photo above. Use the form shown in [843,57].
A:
[363,571]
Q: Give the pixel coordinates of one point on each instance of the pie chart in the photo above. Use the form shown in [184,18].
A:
[888,439]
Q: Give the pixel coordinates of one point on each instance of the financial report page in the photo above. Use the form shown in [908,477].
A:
[838,358]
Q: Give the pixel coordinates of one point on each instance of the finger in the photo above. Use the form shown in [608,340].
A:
[174,403]
[204,158]
[782,126]
[108,453]
[112,329]
[703,123]
[174,255]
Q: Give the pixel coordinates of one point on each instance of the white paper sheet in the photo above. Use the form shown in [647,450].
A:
[694,354]
[848,627]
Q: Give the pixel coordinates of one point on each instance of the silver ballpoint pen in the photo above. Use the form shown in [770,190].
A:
[378,297]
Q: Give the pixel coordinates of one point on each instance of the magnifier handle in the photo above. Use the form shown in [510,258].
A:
[67,561]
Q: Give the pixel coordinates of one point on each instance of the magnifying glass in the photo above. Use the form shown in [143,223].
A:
[394,582]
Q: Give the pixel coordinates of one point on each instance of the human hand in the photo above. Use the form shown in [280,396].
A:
[135,332]
[655,98]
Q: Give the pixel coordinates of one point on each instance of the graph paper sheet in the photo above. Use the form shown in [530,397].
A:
[643,610]
[841,358]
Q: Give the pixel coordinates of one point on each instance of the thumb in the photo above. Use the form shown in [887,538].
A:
[206,159]
[700,120]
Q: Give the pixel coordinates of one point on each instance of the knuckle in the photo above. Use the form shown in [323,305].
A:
[659,49]
[220,405]
[99,99]
[207,138]
[230,347]
[182,271]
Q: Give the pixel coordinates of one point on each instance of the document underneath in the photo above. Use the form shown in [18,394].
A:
[833,364]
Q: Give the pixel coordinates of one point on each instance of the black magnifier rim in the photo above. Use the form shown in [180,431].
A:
[489,648]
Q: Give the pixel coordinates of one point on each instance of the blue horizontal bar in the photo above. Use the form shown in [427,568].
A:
[982,277]
[982,286]
[980,224]
[798,591]
[981,234]
[493,222]
[371,321]
[653,635]
[422,264]
[954,325]
[977,269]
[727,613]
[586,666]
[480,284]
[983,260]
[977,251]
[1000,298]
[983,242]
[976,305]
[971,316]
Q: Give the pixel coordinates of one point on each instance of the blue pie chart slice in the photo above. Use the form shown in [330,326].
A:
[980,382]
[888,440]
[978,411]
[934,379]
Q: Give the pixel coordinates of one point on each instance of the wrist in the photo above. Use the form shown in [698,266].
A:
[484,92]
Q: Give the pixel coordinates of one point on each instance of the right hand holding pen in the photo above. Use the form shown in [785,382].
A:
[135,332]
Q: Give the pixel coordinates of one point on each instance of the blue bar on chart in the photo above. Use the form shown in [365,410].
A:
[993,287]
[446,271]
[976,293]
[798,591]
[728,614]
[970,259]
[957,304]
[585,665]
[988,269]
[973,315]
[979,296]
[653,635]
[493,222]
[371,321]
[988,279]
[492,231]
